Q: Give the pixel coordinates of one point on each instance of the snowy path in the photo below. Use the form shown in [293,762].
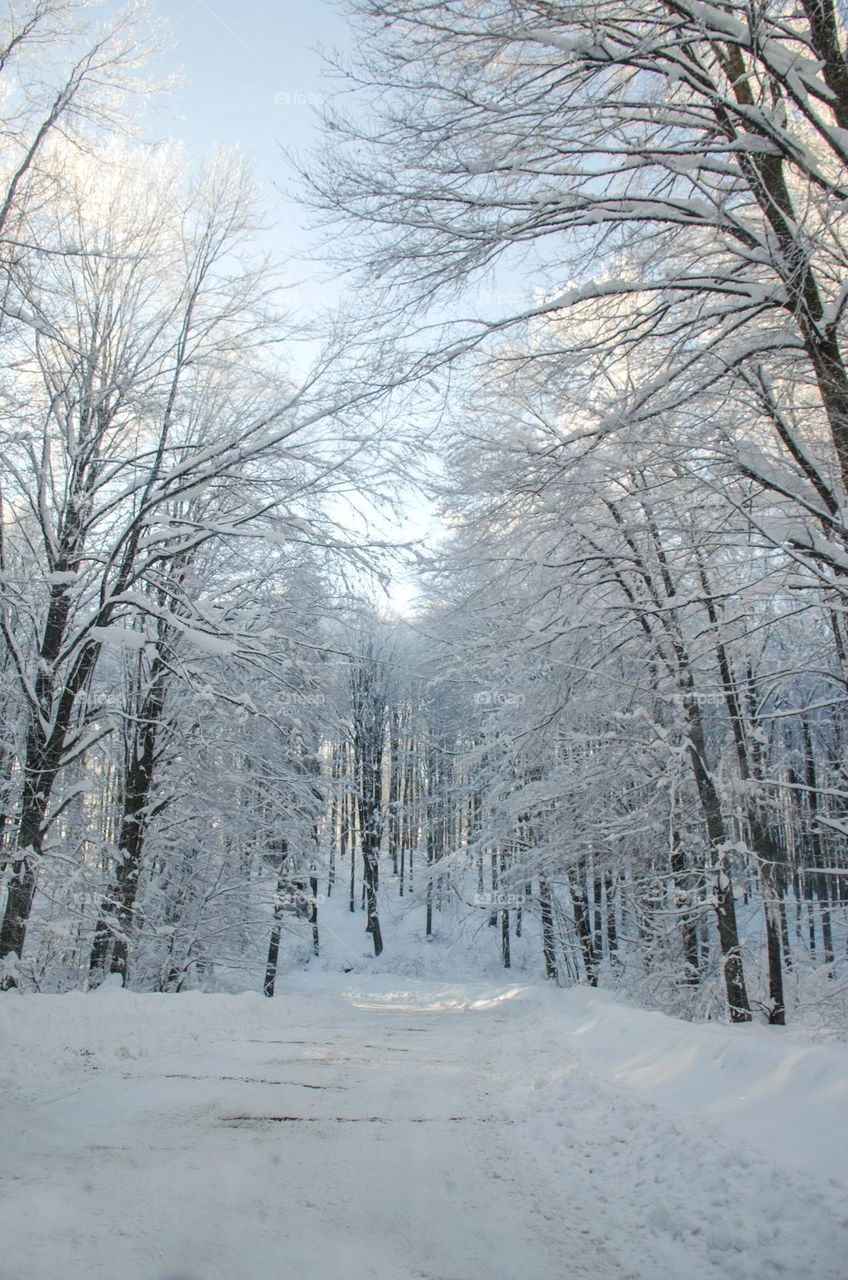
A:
[388,1137]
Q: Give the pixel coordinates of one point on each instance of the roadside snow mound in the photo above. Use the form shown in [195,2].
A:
[759,1084]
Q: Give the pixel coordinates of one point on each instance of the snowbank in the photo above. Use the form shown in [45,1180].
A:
[761,1085]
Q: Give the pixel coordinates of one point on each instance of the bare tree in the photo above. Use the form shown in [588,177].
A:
[369,710]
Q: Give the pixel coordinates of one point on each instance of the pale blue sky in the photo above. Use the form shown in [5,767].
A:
[252,77]
[252,74]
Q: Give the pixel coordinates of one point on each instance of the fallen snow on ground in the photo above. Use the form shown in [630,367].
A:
[364,1126]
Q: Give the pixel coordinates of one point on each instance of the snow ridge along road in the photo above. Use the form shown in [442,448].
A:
[377,1133]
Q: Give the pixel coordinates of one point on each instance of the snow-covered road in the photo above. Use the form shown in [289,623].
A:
[425,1134]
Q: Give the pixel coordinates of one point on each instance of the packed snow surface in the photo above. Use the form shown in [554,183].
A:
[402,1129]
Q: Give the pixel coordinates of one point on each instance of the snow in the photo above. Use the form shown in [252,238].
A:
[367,1125]
[735,1079]
[119,637]
[209,643]
[26,317]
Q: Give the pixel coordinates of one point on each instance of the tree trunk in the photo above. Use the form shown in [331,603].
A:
[505,950]
[548,943]
[313,914]
[682,894]
[276,930]
[725,905]
[115,920]
[39,778]
[582,921]
[817,855]
[372,921]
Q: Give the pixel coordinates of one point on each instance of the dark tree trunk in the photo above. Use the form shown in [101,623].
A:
[40,773]
[784,931]
[372,924]
[431,860]
[394,789]
[777,1007]
[725,905]
[689,927]
[609,902]
[582,921]
[350,809]
[493,912]
[598,919]
[505,948]
[333,822]
[115,920]
[548,943]
[313,914]
[276,929]
[817,856]
[369,730]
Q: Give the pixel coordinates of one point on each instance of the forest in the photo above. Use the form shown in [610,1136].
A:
[593,333]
